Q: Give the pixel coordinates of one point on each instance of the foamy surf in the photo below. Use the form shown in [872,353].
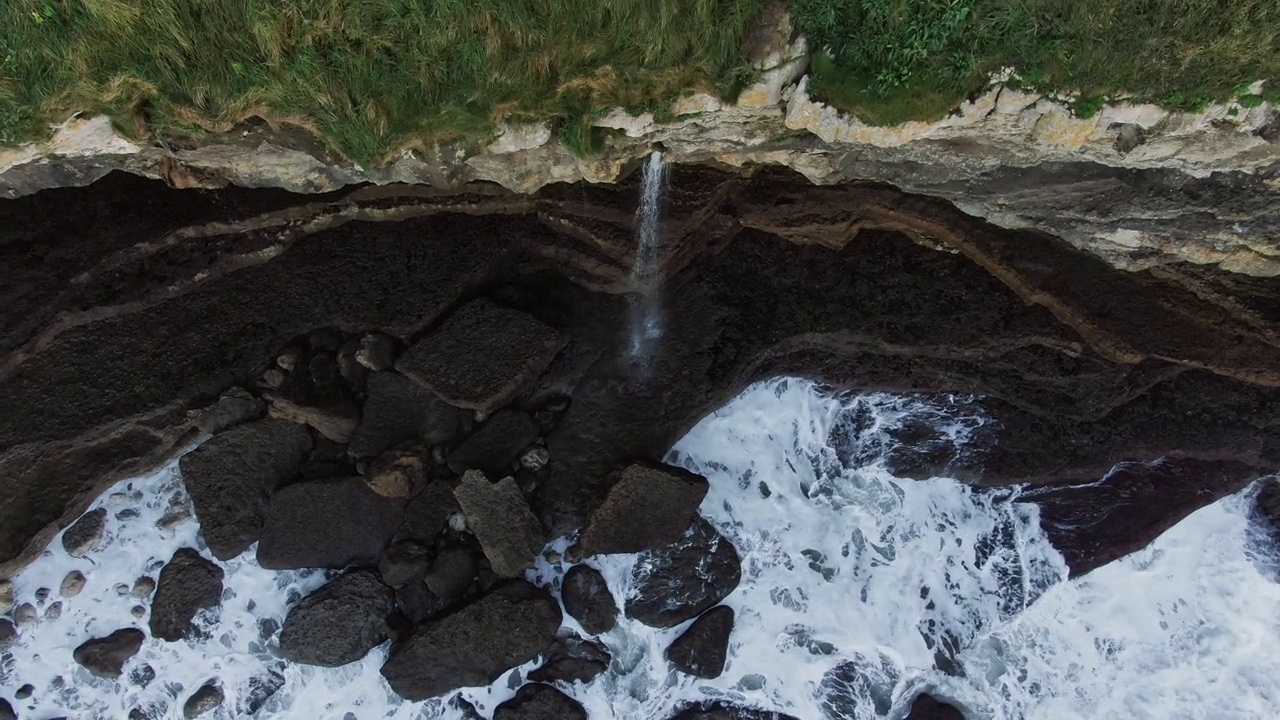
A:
[923,584]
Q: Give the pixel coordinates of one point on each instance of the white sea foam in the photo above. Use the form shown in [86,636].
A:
[841,560]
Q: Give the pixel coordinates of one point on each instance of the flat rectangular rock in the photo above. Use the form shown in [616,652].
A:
[482,355]
[501,520]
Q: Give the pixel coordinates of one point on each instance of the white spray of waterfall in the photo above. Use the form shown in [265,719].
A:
[646,275]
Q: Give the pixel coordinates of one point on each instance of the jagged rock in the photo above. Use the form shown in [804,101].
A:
[85,535]
[428,513]
[725,711]
[482,355]
[417,603]
[497,442]
[680,581]
[404,561]
[105,657]
[336,421]
[203,701]
[587,599]
[703,648]
[339,623]
[1094,523]
[400,410]
[500,518]
[647,506]
[397,473]
[331,523]
[572,659]
[473,645]
[234,407]
[377,352]
[927,707]
[188,584]
[230,477]
[536,701]
[72,584]
[451,573]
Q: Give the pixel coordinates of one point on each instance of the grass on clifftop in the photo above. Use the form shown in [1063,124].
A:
[371,76]
[896,60]
[368,75]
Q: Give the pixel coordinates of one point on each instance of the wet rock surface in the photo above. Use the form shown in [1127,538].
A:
[85,535]
[105,657]
[572,659]
[647,506]
[927,707]
[511,347]
[702,649]
[501,520]
[679,581]
[331,523]
[339,623]
[203,702]
[400,410]
[475,643]
[188,584]
[230,477]
[536,701]
[587,599]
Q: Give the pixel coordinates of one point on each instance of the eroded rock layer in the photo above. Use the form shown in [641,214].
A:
[128,306]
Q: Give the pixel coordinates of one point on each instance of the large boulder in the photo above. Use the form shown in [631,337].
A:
[572,659]
[927,707]
[1094,523]
[339,623]
[500,518]
[587,599]
[85,534]
[452,572]
[428,512]
[403,562]
[331,523]
[105,657]
[493,447]
[188,584]
[702,649]
[540,702]
[725,711]
[482,355]
[647,506]
[400,410]
[230,477]
[473,645]
[680,581]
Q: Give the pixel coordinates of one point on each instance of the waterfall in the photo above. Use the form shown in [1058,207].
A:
[646,272]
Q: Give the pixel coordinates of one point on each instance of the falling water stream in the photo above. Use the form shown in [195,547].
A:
[646,272]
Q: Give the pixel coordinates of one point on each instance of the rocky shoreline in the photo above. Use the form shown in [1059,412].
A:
[423,388]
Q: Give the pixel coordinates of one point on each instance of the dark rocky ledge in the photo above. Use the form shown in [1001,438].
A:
[127,305]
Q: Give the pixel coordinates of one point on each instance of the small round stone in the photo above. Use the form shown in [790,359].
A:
[72,584]
[26,615]
[138,611]
[143,587]
[54,611]
[25,691]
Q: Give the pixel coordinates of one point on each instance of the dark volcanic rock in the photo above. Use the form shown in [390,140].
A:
[725,711]
[482,355]
[501,520]
[230,477]
[339,623]
[680,581]
[497,442]
[540,702]
[857,683]
[400,410]
[203,701]
[188,584]
[327,523]
[475,643]
[647,506]
[1266,507]
[572,659]
[105,657]
[404,561]
[587,599]
[416,602]
[1095,523]
[451,573]
[428,513]
[702,649]
[927,707]
[6,711]
[85,535]
[7,632]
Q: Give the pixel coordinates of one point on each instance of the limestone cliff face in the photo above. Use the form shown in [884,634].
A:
[1137,185]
